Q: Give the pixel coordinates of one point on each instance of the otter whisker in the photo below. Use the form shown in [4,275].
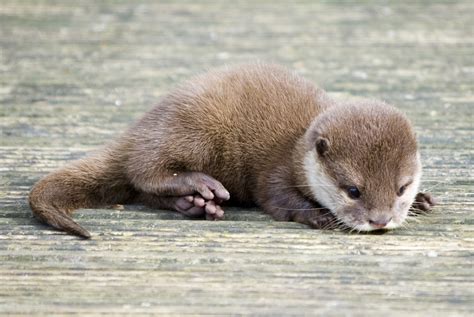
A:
[432,187]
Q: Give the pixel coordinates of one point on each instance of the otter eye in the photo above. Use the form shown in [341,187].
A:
[402,189]
[353,192]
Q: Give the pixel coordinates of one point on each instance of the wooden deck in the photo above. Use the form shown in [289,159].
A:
[73,74]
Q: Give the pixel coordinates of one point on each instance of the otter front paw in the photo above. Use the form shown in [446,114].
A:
[423,202]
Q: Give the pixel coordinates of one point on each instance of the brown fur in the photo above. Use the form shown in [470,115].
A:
[380,150]
[242,129]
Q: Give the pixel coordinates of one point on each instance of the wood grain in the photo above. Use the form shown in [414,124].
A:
[75,74]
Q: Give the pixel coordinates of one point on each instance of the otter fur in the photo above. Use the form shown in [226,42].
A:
[250,134]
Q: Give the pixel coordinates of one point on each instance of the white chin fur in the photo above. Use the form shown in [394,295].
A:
[367,227]
[364,227]
[322,187]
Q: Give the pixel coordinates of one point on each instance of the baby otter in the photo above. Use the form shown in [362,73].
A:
[251,134]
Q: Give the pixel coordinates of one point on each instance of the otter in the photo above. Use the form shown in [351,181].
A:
[251,134]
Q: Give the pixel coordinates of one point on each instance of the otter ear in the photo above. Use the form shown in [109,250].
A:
[322,146]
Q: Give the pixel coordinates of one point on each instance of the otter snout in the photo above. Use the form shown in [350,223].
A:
[379,222]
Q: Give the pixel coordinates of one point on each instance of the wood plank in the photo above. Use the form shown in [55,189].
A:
[75,74]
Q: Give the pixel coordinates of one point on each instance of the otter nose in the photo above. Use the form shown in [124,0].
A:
[379,222]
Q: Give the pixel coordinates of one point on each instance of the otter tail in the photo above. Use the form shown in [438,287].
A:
[92,182]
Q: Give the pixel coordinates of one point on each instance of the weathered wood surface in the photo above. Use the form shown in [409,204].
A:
[73,74]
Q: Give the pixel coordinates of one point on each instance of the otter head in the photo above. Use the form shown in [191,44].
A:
[362,163]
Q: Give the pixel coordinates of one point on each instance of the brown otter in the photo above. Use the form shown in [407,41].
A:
[251,134]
